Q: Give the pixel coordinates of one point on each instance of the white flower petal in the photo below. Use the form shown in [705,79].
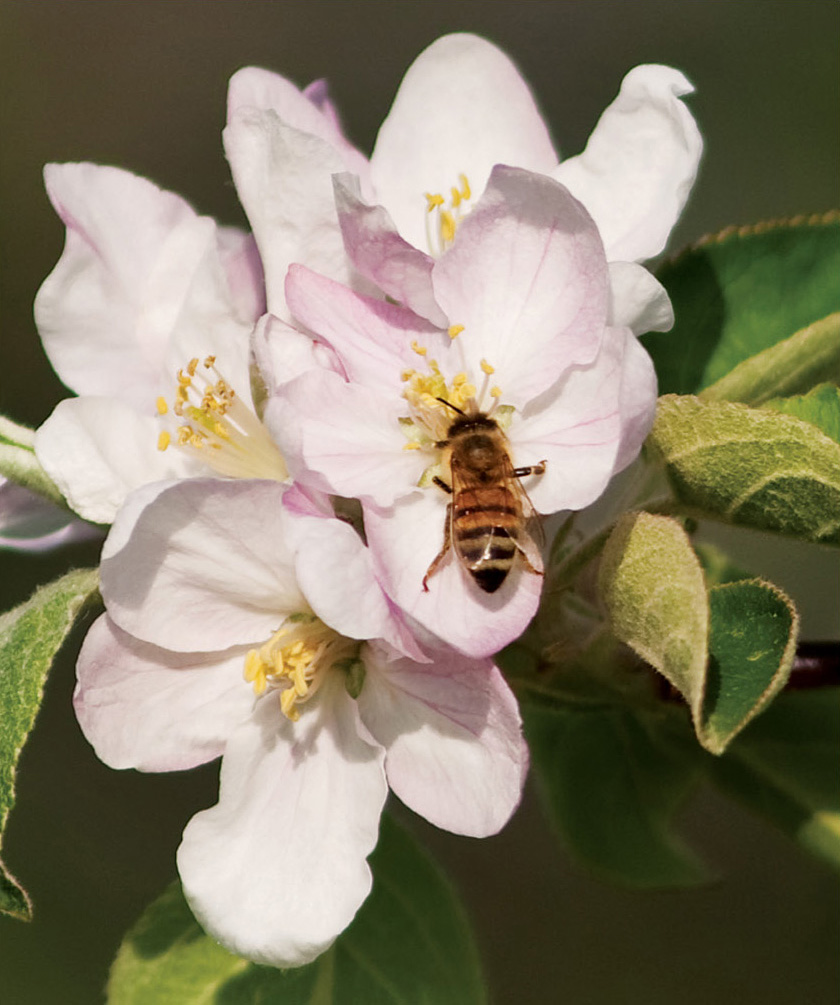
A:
[453,736]
[204,566]
[639,164]
[155,710]
[97,450]
[462,107]
[283,177]
[28,522]
[406,538]
[276,870]
[639,301]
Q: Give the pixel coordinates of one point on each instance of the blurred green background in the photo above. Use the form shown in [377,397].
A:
[142,85]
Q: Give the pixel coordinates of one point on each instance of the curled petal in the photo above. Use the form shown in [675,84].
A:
[29,522]
[639,164]
[462,107]
[276,870]
[379,253]
[243,268]
[639,301]
[155,710]
[453,736]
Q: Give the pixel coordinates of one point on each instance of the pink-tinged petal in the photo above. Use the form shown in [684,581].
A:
[333,565]
[243,268]
[155,710]
[527,278]
[638,300]
[342,438]
[97,450]
[379,253]
[371,337]
[309,111]
[29,522]
[639,165]
[455,753]
[637,400]
[283,178]
[461,108]
[283,353]
[406,538]
[276,870]
[137,264]
[204,566]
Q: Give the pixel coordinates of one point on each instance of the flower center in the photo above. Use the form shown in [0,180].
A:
[296,659]
[218,427]
[434,403]
[443,217]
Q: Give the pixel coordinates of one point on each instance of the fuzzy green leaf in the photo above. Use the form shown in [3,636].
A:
[30,636]
[820,407]
[791,366]
[752,643]
[653,587]
[742,291]
[610,792]
[750,466]
[784,767]
[409,943]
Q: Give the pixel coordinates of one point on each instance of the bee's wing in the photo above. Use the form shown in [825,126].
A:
[532,519]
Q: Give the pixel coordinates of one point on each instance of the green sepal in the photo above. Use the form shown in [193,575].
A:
[30,636]
[19,464]
[742,291]
[753,467]
[409,942]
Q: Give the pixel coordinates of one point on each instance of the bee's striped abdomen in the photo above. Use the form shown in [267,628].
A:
[484,525]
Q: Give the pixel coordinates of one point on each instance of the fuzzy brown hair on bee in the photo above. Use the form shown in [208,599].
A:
[490,519]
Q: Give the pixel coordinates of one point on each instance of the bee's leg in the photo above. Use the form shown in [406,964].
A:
[447,533]
[532,469]
[441,484]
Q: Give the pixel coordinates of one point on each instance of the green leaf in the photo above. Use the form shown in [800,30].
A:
[653,587]
[740,292]
[784,767]
[19,464]
[791,366]
[610,793]
[752,644]
[718,568]
[30,636]
[821,407]
[750,466]
[409,943]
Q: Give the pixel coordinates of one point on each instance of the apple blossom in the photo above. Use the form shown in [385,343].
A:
[524,291]
[244,620]
[462,108]
[143,286]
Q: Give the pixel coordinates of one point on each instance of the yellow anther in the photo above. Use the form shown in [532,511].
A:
[433,201]
[411,446]
[209,361]
[459,379]
[455,331]
[192,366]
[184,435]
[406,375]
[421,350]
[287,704]
[456,197]
[162,407]
[495,392]
[448,227]
[164,440]
[466,191]
[183,380]
[485,366]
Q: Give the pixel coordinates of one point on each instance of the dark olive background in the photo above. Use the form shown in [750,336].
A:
[142,85]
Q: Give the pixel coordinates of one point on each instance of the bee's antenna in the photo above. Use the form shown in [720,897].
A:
[449,404]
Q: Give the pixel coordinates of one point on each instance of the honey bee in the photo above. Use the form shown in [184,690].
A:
[490,519]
